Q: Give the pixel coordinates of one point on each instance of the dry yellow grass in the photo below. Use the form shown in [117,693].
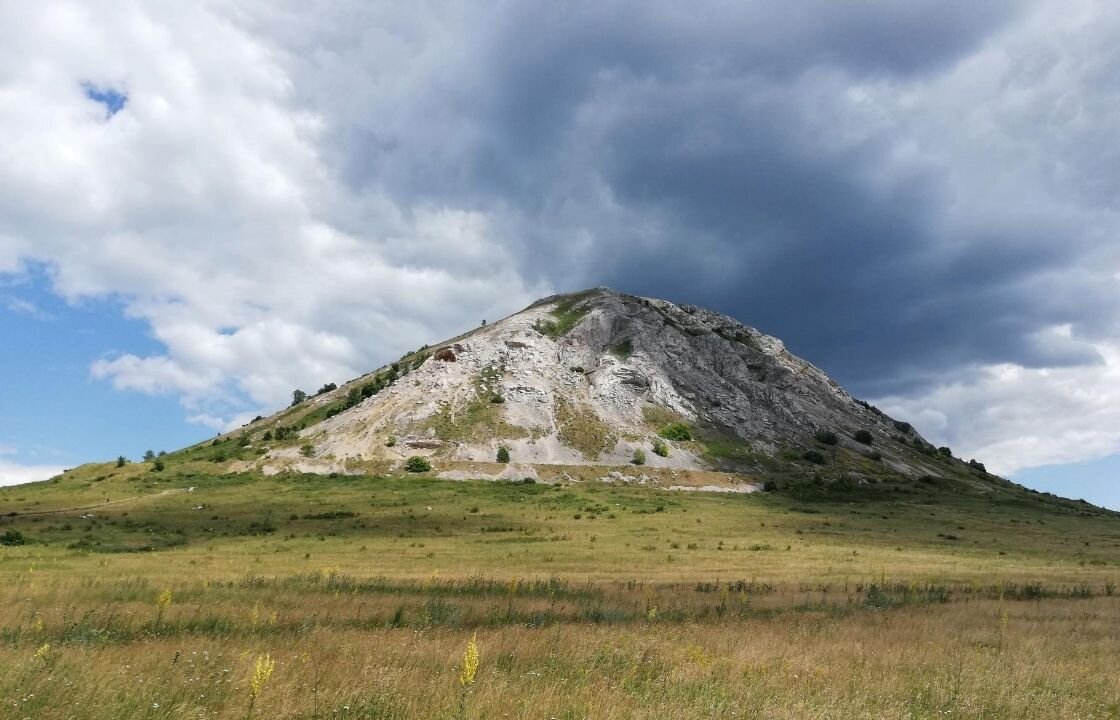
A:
[1057,660]
[357,597]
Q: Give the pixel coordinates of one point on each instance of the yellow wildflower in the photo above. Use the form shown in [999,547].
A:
[470,663]
[262,671]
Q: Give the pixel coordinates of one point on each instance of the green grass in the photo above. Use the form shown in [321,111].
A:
[567,313]
[657,417]
[148,511]
[963,596]
[581,429]
[479,418]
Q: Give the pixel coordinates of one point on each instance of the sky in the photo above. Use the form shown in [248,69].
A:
[205,205]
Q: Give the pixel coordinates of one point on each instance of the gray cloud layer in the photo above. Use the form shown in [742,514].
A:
[875,182]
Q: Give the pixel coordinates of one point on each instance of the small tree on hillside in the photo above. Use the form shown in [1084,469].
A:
[298,396]
[503,454]
[826,437]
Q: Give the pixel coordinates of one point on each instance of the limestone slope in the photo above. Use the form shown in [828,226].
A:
[588,379]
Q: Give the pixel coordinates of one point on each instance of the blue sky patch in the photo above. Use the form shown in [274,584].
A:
[113,100]
[1093,480]
[51,410]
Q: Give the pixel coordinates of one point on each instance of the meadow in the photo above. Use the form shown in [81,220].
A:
[128,593]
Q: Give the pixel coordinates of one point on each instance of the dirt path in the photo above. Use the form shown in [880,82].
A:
[111,503]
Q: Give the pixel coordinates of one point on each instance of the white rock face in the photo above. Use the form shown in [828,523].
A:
[624,357]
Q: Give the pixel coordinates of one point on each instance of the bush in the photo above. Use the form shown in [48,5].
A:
[639,456]
[121,461]
[267,437]
[307,450]
[391,442]
[676,431]
[875,455]
[158,466]
[149,456]
[826,437]
[814,457]
[417,464]
[976,465]
[622,350]
[298,396]
[864,436]
[12,537]
[944,450]
[503,454]
[327,388]
[903,427]
[497,399]
[660,447]
[769,486]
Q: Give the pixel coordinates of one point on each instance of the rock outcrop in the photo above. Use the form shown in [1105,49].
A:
[587,379]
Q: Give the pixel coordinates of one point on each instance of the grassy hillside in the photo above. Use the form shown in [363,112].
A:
[133,593]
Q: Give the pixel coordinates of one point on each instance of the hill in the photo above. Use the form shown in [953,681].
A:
[578,386]
[296,569]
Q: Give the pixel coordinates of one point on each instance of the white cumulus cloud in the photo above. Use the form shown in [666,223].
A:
[206,206]
[1012,417]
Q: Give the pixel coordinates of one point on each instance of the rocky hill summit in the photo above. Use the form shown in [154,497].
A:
[595,379]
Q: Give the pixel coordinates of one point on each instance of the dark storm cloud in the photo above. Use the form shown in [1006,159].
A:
[719,154]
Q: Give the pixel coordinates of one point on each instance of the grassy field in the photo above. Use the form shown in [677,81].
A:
[128,593]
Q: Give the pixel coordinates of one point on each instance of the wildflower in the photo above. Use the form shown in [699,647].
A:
[470,663]
[262,671]
[467,673]
[162,603]
[41,653]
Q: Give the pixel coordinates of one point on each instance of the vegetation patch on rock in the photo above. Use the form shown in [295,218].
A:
[678,431]
[480,418]
[581,429]
[568,312]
